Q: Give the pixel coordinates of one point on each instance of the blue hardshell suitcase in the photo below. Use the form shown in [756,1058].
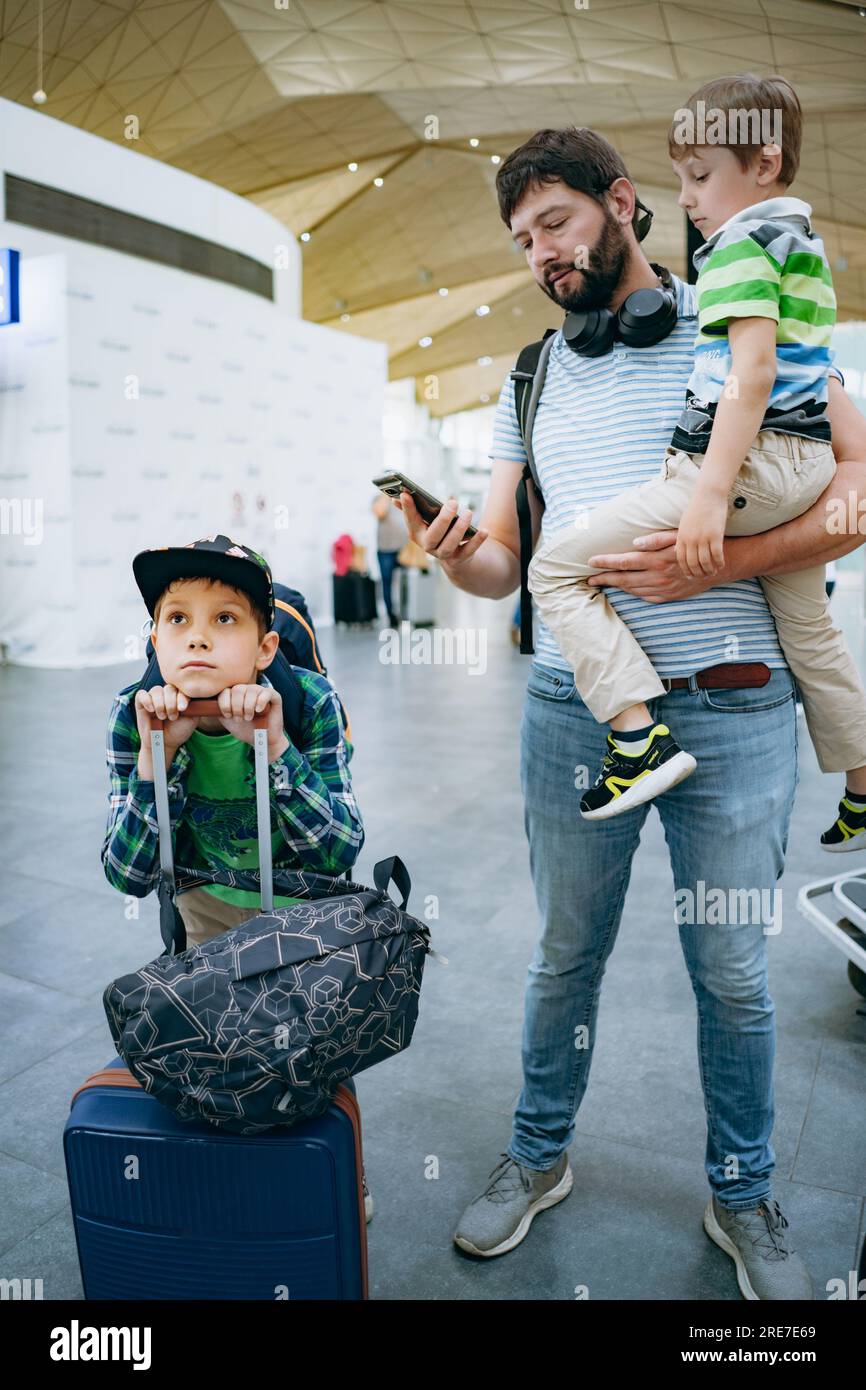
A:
[171,1209]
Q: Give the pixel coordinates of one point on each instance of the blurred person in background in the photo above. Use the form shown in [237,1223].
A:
[391,536]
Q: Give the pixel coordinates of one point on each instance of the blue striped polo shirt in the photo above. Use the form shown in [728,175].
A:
[602,426]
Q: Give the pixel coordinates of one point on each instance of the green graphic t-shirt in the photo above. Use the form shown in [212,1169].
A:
[217,813]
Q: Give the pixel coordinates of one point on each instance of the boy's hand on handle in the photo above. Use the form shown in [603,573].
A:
[161,707]
[445,548]
[239,704]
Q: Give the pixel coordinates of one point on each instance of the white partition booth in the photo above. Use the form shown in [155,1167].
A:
[143,403]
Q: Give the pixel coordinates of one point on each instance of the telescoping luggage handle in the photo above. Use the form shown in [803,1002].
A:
[384,872]
[263,811]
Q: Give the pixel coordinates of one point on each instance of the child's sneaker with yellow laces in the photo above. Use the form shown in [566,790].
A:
[849,829]
[637,766]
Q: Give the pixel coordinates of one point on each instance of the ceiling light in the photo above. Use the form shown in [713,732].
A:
[443,291]
[484,398]
[39,97]
[482,310]
[484,361]
[353,168]
[495,159]
[473,142]
[344,318]
[424,342]
[378,182]
[305,236]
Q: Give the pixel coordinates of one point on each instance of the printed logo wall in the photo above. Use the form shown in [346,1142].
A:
[145,406]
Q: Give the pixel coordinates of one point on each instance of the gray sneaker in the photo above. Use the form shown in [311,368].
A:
[768,1267]
[500,1217]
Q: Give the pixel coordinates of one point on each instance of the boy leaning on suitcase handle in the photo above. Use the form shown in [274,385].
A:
[189,651]
[162,707]
[213,607]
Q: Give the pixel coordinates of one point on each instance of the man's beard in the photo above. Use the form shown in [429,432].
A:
[599,280]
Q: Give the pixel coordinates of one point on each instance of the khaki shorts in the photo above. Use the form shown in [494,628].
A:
[205,915]
[782,475]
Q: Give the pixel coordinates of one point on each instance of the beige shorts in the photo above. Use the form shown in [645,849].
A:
[782,475]
[205,915]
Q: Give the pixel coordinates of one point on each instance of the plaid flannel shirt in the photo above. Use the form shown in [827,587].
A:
[310,791]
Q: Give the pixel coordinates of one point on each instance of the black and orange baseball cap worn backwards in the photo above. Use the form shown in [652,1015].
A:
[213,557]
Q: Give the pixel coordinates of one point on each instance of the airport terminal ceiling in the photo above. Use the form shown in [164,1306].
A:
[302,108]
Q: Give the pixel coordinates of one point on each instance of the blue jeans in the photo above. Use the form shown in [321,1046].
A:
[387,564]
[726,827]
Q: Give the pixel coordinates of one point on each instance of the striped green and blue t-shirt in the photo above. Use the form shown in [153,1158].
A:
[763,262]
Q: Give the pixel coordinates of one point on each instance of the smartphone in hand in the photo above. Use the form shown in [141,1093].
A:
[429,507]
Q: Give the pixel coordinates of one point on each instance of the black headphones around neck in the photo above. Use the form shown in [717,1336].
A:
[643,318]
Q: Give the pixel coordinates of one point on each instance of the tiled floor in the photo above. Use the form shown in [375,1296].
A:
[436,772]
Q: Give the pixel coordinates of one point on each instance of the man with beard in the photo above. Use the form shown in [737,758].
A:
[601,426]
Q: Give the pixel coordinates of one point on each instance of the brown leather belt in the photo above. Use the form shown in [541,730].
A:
[730,675]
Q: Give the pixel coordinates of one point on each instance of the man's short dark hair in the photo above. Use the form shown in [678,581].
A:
[576,155]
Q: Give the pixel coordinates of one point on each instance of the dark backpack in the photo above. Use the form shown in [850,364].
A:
[297,647]
[528,377]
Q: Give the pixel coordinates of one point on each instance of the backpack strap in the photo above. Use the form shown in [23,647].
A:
[285,682]
[293,613]
[298,639]
[528,377]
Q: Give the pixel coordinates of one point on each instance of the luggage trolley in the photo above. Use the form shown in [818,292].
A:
[847,933]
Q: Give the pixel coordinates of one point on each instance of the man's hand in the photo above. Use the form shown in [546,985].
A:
[650,571]
[238,706]
[701,534]
[445,548]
